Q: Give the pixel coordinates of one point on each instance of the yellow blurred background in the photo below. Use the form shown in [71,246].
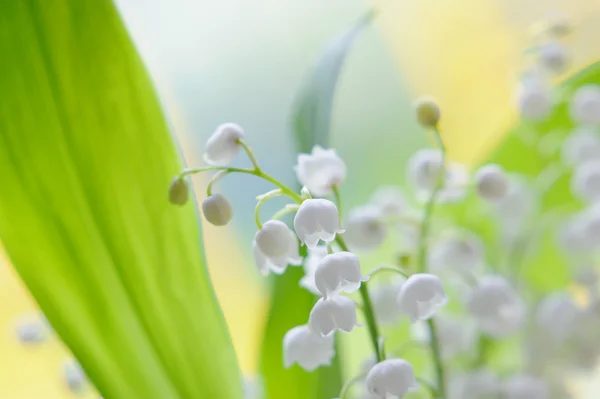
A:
[467,53]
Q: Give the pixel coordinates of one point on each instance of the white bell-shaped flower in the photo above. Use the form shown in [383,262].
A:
[315,256]
[390,201]
[329,315]
[585,182]
[425,169]
[317,219]
[385,306]
[491,182]
[534,100]
[496,307]
[307,348]
[554,57]
[461,253]
[391,377]
[558,316]
[479,384]
[339,272]
[365,228]
[421,295]
[585,105]
[217,209]
[582,145]
[275,247]
[526,387]
[223,146]
[320,170]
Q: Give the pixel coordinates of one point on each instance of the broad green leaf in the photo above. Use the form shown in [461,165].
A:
[85,163]
[291,304]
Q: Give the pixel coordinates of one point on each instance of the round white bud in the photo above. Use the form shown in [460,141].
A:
[32,330]
[582,145]
[275,247]
[223,146]
[179,191]
[329,315]
[320,171]
[421,295]
[558,316]
[391,377]
[534,100]
[317,219]
[307,348]
[585,182]
[554,57]
[585,105]
[217,209]
[491,182]
[425,169]
[365,229]
[339,272]
[428,112]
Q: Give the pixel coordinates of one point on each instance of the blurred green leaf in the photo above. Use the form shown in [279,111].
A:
[85,162]
[291,304]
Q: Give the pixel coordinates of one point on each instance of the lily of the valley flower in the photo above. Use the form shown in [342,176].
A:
[317,219]
[365,228]
[391,377]
[329,315]
[425,169]
[582,145]
[390,201]
[585,182]
[275,247]
[315,256]
[535,101]
[554,57]
[461,253]
[558,316]
[491,182]
[307,348]
[585,105]
[339,272]
[223,146]
[384,298]
[217,209]
[320,171]
[421,295]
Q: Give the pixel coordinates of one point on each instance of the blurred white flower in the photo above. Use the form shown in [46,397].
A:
[315,256]
[339,272]
[491,182]
[479,384]
[496,307]
[457,335]
[217,209]
[320,171]
[554,57]
[385,305]
[587,276]
[421,295]
[526,387]
[32,329]
[456,183]
[459,253]
[534,99]
[365,228]
[581,145]
[390,201]
[391,377]
[317,219]
[585,182]
[585,105]
[275,247]
[425,168]
[517,206]
[329,315]
[74,376]
[307,348]
[223,146]
[558,316]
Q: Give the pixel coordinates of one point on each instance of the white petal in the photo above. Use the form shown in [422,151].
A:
[222,147]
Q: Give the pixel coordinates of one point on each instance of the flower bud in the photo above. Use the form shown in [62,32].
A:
[491,182]
[421,295]
[223,146]
[217,210]
[554,57]
[329,315]
[391,377]
[585,105]
[179,191]
[428,112]
[535,101]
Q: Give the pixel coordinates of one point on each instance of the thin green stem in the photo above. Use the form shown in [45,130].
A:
[250,154]
[382,347]
[284,189]
[393,269]
[289,208]
[432,390]
[338,200]
[367,307]
[218,176]
[437,359]
[346,388]
[261,200]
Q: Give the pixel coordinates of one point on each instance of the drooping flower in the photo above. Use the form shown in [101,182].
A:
[391,377]
[317,219]
[365,228]
[554,57]
[217,209]
[275,247]
[421,295]
[585,182]
[580,146]
[320,171]
[526,387]
[534,100]
[491,182]
[585,105]
[329,315]
[307,348]
[223,146]
[390,201]
[558,316]
[496,307]
[315,256]
[460,253]
[339,272]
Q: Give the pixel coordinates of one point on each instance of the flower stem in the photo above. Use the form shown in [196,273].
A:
[261,200]
[346,388]
[437,359]
[393,269]
[250,154]
[367,307]
[338,199]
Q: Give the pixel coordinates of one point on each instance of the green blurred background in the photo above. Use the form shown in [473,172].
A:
[243,61]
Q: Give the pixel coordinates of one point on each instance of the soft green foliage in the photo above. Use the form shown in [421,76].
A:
[85,162]
[290,304]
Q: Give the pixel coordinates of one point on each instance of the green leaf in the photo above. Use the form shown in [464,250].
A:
[291,304]
[85,163]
